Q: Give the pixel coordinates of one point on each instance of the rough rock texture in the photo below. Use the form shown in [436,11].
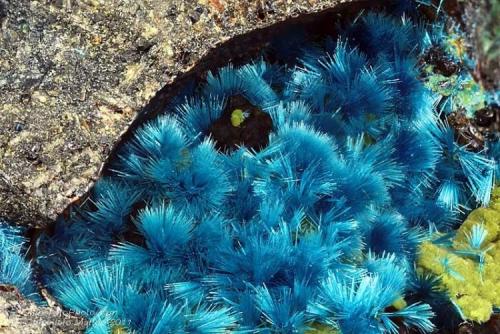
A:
[18,315]
[481,20]
[73,73]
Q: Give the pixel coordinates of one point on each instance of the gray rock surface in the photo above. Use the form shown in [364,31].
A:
[21,316]
[74,73]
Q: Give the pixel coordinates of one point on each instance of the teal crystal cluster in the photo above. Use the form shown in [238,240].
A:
[314,226]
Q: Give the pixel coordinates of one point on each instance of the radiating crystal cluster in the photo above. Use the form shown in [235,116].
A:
[280,197]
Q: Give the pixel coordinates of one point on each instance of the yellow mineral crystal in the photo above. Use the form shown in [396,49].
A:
[474,288]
